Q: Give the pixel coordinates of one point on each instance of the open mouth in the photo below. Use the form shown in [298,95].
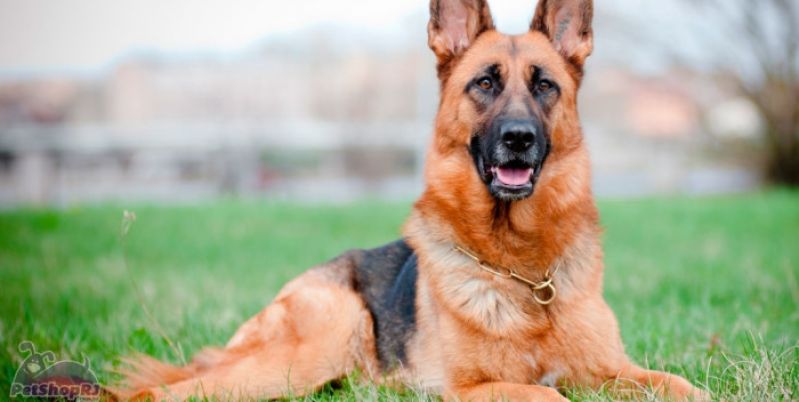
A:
[512,176]
[511,181]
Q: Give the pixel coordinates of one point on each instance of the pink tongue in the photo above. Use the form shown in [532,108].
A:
[514,176]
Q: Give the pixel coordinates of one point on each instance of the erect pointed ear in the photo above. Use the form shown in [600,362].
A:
[453,27]
[567,23]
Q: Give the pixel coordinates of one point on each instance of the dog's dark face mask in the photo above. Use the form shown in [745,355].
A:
[509,149]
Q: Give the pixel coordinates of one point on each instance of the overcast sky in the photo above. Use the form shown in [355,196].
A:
[87,35]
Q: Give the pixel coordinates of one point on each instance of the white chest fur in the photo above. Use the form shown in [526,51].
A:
[480,297]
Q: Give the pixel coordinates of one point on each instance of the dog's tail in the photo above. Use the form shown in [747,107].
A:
[141,373]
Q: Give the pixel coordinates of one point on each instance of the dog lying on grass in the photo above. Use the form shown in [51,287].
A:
[495,291]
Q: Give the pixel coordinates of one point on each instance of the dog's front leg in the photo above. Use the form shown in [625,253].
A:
[632,380]
[504,391]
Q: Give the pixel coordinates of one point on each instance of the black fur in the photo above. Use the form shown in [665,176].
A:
[386,279]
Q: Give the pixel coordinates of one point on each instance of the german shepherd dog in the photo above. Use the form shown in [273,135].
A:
[495,291]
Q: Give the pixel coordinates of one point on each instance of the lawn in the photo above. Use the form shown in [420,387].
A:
[704,287]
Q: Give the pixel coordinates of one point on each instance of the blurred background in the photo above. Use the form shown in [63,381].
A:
[333,101]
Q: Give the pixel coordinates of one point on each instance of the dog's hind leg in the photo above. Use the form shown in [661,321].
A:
[315,331]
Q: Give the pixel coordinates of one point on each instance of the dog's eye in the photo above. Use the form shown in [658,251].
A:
[544,85]
[485,84]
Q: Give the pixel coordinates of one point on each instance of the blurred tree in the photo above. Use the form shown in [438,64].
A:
[755,44]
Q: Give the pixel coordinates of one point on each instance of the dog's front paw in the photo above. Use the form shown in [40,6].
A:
[699,395]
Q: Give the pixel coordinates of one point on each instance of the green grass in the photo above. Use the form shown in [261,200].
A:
[703,287]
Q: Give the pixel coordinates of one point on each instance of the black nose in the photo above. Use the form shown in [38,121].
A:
[517,135]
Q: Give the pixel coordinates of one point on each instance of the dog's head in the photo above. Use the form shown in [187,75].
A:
[509,101]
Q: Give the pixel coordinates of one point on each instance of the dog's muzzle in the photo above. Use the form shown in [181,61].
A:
[509,157]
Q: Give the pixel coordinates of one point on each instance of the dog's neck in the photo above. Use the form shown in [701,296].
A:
[527,234]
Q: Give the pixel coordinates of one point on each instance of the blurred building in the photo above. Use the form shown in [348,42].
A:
[329,115]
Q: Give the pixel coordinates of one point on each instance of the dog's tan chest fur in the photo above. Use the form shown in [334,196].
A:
[476,295]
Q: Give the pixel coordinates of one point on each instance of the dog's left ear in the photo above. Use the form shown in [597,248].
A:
[567,24]
[454,25]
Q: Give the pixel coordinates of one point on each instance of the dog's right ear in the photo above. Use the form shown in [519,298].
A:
[453,27]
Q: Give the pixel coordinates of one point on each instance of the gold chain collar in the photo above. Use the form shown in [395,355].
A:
[544,286]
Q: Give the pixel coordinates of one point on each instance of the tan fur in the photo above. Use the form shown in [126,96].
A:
[478,336]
